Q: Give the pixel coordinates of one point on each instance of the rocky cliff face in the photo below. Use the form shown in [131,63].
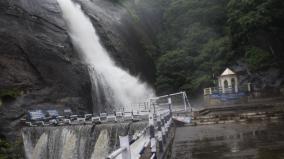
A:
[126,27]
[39,67]
[38,61]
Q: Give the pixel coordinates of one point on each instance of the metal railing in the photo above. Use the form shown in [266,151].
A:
[158,129]
[88,119]
[159,116]
[124,149]
[249,87]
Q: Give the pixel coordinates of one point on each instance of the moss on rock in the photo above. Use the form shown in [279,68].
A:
[9,94]
[11,150]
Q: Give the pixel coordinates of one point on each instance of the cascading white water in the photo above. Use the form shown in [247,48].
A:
[117,86]
[102,146]
[69,144]
[40,147]
[77,141]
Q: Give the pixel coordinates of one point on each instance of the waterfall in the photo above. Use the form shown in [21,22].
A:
[40,147]
[76,142]
[69,145]
[101,147]
[114,85]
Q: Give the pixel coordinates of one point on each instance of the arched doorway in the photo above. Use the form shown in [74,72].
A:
[226,85]
[233,81]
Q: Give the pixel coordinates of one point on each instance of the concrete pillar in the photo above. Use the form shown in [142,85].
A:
[152,133]
[249,87]
[163,130]
[167,125]
[170,105]
[160,133]
[236,85]
[222,85]
[219,83]
[184,100]
[124,143]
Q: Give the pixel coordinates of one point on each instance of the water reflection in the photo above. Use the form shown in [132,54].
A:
[231,141]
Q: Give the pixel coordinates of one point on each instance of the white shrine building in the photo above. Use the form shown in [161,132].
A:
[227,83]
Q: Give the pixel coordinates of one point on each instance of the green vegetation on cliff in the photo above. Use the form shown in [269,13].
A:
[11,151]
[9,94]
[199,38]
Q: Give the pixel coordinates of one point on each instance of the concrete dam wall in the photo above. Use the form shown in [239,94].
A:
[76,142]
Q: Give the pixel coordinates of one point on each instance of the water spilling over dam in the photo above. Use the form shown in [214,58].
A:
[111,84]
[75,142]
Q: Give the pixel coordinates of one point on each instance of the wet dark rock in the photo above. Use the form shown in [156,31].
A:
[38,59]
[125,29]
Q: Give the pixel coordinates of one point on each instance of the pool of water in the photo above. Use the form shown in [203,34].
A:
[258,140]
